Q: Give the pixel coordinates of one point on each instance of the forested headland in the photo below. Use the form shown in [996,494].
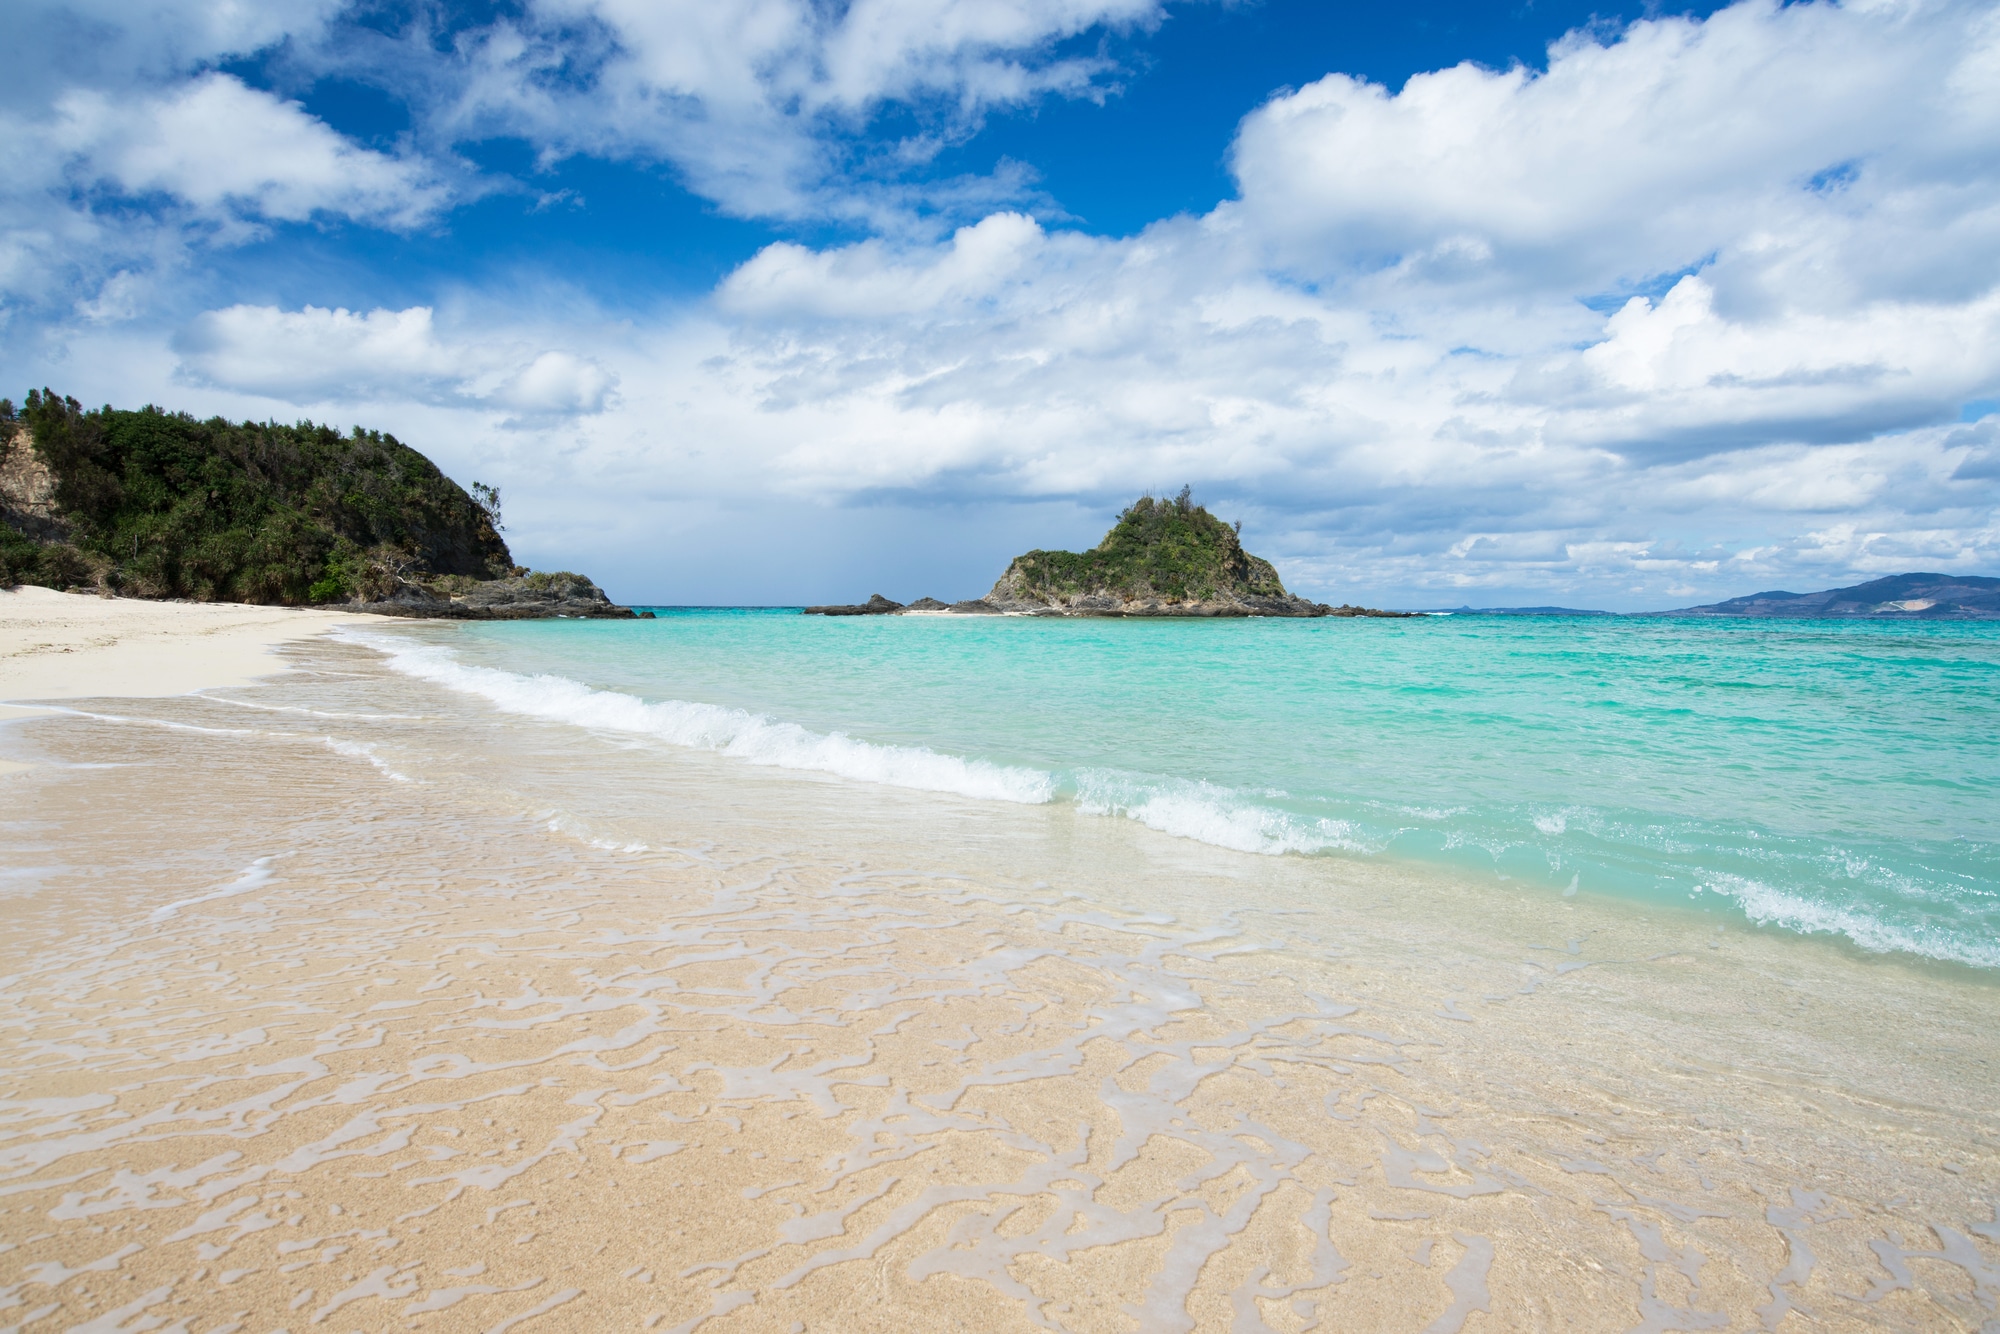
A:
[157,504]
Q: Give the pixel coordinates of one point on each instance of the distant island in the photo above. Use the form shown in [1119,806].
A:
[1162,558]
[1899,597]
[156,504]
[1515,611]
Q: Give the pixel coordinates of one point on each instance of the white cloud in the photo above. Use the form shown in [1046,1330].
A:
[757,103]
[230,150]
[1646,154]
[1392,351]
[114,45]
[318,355]
[871,280]
[124,153]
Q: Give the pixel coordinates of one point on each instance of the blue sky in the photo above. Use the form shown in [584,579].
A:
[785,301]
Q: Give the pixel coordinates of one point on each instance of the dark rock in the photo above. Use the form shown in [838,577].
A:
[876,605]
[413,599]
[928,604]
[528,597]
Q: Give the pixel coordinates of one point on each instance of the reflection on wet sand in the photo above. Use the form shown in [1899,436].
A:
[343,1002]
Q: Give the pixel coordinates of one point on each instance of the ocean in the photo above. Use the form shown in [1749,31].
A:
[1827,778]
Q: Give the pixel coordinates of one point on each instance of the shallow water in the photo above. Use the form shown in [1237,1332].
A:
[1819,776]
[353,1001]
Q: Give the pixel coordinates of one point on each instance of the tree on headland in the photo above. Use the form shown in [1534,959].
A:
[488,500]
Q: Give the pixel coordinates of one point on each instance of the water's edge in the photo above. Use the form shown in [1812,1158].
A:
[1564,848]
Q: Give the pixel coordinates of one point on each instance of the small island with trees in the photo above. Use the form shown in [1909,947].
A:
[1162,558]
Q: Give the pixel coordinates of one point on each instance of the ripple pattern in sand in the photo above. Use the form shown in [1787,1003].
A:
[313,1043]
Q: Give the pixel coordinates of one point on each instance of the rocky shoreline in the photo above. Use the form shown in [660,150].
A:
[529,597]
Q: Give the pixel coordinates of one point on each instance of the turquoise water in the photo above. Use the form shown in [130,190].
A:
[1820,776]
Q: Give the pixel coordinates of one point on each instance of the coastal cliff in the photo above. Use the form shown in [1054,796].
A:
[156,504]
[1162,558]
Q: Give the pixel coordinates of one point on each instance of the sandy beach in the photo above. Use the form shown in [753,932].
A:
[76,645]
[333,1000]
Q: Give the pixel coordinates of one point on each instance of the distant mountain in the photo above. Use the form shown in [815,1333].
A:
[1903,597]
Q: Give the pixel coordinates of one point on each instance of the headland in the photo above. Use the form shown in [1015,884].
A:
[156,504]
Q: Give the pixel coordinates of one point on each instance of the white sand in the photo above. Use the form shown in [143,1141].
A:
[80,646]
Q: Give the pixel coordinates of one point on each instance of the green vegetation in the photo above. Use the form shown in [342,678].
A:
[1173,549]
[157,504]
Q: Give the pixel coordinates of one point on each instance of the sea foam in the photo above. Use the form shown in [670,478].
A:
[1209,813]
[1203,812]
[1768,905]
[736,733]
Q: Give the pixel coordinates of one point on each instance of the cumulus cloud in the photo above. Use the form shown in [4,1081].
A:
[230,150]
[758,104]
[1809,131]
[1690,293]
[319,355]
[125,153]
[104,192]
[872,280]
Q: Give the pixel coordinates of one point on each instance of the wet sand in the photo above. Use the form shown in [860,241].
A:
[342,1002]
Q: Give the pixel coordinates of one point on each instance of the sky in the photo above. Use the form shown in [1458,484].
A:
[784,301]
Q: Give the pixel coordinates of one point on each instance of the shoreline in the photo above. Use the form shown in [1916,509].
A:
[406,1006]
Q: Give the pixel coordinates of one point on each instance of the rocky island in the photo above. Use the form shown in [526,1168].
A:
[1162,558]
[155,504]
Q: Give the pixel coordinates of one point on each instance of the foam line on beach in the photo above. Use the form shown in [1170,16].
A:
[1196,810]
[1768,905]
[1211,814]
[256,876]
[736,733]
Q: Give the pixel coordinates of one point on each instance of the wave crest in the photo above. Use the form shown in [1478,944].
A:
[1768,905]
[725,731]
[1211,814]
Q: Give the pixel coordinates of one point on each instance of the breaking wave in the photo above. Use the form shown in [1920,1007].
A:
[736,733]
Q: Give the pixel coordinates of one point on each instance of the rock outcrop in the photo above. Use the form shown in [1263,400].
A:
[530,597]
[27,488]
[876,605]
